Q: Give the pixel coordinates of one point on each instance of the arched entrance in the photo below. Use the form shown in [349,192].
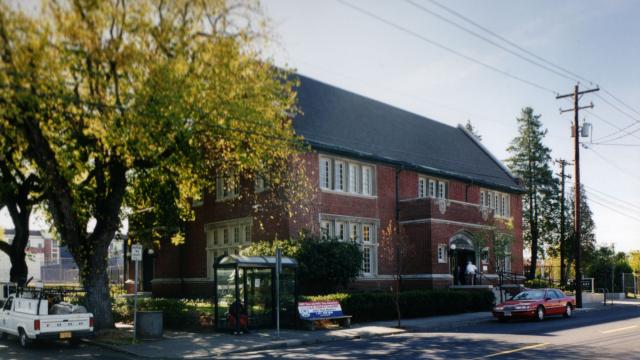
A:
[461,251]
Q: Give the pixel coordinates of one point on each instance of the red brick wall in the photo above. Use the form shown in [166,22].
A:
[423,238]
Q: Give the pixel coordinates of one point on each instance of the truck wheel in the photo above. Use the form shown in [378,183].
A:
[24,340]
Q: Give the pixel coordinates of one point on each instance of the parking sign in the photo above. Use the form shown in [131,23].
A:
[136,252]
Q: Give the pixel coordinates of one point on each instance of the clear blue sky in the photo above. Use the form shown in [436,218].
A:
[595,39]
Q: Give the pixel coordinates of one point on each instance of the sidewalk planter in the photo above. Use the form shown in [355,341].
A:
[149,324]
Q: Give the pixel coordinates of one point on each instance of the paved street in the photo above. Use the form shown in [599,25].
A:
[611,334]
[605,334]
[10,349]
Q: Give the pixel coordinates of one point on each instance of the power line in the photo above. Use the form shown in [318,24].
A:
[608,196]
[610,144]
[621,102]
[613,164]
[615,210]
[443,47]
[635,120]
[620,129]
[530,53]
[491,41]
[572,74]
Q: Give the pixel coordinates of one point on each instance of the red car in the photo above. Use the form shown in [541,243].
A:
[536,304]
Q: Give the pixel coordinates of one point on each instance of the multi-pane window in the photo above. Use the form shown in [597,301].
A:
[325,173]
[347,176]
[339,175]
[367,181]
[432,188]
[497,201]
[354,178]
[360,231]
[422,187]
[325,229]
[226,237]
[259,184]
[353,236]
[226,188]
[442,253]
[340,230]
[366,260]
[484,255]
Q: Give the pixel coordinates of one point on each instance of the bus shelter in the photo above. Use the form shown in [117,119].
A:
[245,292]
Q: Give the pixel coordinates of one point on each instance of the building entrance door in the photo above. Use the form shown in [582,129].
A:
[458,260]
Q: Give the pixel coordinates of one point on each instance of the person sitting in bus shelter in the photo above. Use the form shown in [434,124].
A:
[238,308]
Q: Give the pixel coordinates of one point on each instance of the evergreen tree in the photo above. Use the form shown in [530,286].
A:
[471,129]
[530,160]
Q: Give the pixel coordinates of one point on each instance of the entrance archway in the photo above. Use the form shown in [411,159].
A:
[461,251]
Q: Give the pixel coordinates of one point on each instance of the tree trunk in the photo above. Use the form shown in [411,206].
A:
[19,270]
[96,284]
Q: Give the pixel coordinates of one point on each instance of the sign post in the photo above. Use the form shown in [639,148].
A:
[136,257]
[278,267]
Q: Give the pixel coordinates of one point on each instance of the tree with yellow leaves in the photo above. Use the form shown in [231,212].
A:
[122,97]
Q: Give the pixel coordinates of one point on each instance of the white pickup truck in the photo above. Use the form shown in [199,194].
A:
[25,314]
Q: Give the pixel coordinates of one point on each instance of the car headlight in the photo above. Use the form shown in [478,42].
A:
[522,307]
[498,308]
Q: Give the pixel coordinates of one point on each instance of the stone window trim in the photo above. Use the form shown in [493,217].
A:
[497,201]
[347,176]
[226,237]
[432,187]
[329,225]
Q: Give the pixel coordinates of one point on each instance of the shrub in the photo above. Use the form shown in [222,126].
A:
[324,265]
[375,306]
[177,313]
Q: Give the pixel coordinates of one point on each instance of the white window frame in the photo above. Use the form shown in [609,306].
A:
[325,229]
[432,188]
[442,189]
[339,175]
[442,253]
[367,180]
[238,236]
[259,185]
[484,256]
[225,191]
[354,179]
[325,172]
[340,230]
[422,187]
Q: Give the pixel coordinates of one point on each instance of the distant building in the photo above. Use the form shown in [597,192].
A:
[41,249]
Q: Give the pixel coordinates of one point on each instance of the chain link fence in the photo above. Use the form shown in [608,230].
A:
[65,272]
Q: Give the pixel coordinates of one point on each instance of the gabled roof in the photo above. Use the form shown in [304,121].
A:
[339,121]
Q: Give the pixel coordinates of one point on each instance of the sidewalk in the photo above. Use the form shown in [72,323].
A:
[178,345]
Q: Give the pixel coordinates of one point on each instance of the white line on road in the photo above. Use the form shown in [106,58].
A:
[619,329]
[514,350]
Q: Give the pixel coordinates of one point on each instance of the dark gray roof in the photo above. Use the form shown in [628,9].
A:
[343,122]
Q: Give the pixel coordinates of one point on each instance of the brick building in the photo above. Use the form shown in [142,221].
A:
[372,165]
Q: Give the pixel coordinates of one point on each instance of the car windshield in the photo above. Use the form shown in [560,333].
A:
[530,295]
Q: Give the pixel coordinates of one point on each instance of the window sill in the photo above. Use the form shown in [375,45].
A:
[227,198]
[346,193]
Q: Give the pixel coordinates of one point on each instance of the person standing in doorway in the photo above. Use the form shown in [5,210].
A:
[471,273]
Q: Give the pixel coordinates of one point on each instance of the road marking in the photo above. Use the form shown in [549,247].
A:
[515,350]
[619,329]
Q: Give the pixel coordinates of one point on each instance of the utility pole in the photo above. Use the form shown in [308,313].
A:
[576,161]
[563,273]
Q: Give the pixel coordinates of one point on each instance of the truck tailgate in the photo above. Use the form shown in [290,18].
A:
[70,322]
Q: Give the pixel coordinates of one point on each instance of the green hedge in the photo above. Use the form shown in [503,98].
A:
[177,313]
[374,306]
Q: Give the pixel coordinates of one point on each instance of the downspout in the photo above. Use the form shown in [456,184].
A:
[398,170]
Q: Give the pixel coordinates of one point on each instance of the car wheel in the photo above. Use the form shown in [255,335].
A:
[3,335]
[24,340]
[568,312]
[540,313]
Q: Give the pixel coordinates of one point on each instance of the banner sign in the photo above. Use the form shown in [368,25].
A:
[319,310]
